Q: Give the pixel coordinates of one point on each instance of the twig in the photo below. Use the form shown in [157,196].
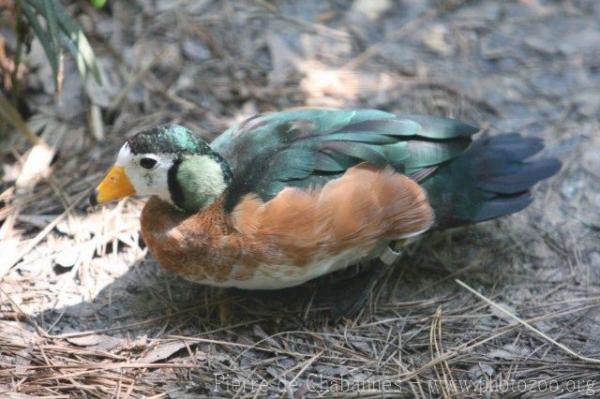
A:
[10,263]
[306,365]
[92,367]
[31,321]
[528,326]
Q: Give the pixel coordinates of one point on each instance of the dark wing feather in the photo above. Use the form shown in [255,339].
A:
[308,147]
[492,178]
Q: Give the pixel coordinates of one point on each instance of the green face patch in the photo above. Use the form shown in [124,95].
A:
[200,180]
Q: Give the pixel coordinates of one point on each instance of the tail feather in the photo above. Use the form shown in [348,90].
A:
[491,179]
[520,177]
[512,145]
[501,206]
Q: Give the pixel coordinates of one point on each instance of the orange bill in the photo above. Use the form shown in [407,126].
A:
[114,186]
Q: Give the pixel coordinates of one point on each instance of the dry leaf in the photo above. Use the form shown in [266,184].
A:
[16,333]
[509,352]
[97,341]
[35,167]
[162,351]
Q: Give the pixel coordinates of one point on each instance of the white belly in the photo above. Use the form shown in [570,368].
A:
[273,277]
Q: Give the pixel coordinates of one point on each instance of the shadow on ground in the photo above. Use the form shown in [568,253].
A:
[147,301]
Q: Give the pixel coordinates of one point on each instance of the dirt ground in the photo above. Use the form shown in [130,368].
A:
[86,312]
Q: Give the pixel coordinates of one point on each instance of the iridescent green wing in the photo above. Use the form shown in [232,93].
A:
[308,147]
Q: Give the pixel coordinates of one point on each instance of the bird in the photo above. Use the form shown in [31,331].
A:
[282,198]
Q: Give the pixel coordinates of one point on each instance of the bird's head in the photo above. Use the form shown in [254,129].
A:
[169,162]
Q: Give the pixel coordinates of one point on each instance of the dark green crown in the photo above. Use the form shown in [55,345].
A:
[170,139]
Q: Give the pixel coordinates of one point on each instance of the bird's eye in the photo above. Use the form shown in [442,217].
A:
[148,163]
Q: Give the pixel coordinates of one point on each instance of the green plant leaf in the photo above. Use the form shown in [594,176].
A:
[60,25]
[98,3]
[52,23]
[42,35]
[50,16]
[78,44]
[11,115]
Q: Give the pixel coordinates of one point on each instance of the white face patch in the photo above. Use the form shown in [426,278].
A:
[153,181]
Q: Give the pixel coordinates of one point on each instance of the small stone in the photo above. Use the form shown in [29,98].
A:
[435,39]
[591,161]
[595,262]
[481,370]
[372,9]
[195,51]
[67,258]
